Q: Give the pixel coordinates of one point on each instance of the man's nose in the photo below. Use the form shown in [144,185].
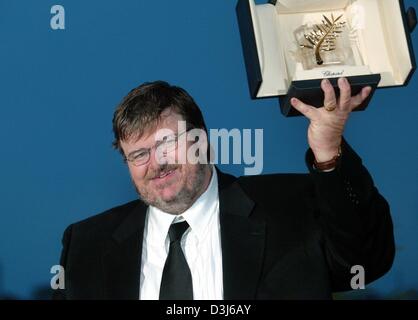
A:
[157,158]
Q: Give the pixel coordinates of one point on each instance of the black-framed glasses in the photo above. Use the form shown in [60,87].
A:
[142,156]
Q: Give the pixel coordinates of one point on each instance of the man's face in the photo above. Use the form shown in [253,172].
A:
[162,181]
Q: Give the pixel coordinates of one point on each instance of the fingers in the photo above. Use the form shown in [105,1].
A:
[330,100]
[345,102]
[345,94]
[307,110]
[359,99]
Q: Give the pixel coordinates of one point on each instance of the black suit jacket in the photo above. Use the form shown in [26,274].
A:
[283,236]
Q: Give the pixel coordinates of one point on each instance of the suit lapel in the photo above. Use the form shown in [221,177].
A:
[122,257]
[242,239]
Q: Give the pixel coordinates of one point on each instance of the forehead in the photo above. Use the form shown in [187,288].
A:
[169,119]
[168,123]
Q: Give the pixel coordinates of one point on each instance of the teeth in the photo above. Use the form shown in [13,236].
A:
[165,174]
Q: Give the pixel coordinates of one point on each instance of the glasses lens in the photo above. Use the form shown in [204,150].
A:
[140,158]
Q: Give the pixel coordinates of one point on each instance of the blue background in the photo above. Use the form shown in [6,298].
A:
[58,91]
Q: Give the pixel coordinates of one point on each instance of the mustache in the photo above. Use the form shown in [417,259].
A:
[161,170]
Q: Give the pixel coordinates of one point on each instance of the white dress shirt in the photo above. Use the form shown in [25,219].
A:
[201,245]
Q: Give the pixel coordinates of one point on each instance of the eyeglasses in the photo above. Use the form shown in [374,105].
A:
[142,156]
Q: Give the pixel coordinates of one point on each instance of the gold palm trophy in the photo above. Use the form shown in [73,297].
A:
[324,43]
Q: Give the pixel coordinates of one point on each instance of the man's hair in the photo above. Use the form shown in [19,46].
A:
[141,110]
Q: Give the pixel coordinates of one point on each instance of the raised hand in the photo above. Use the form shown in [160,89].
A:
[327,123]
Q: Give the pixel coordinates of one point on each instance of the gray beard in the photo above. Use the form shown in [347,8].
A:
[184,199]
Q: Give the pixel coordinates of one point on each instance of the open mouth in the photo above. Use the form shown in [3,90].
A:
[165,174]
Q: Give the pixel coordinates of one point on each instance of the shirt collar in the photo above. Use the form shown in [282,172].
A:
[198,216]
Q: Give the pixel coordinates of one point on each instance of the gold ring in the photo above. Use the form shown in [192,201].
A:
[330,108]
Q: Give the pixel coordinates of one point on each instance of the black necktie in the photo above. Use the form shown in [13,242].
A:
[176,282]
